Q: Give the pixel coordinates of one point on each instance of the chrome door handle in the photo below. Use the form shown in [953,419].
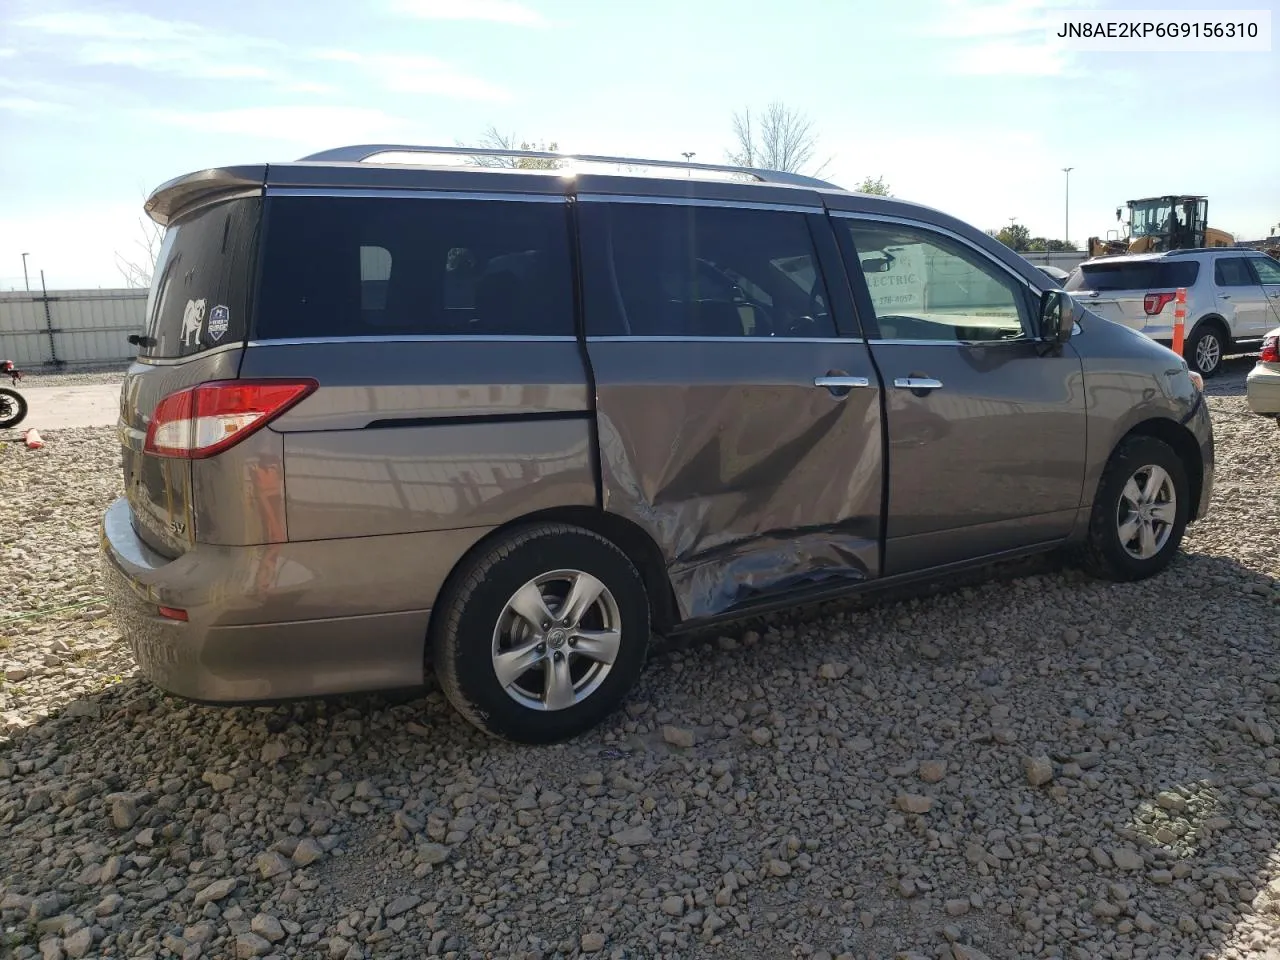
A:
[917,383]
[841,382]
[1224,296]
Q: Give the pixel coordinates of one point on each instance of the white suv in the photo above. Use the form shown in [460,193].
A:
[1233,298]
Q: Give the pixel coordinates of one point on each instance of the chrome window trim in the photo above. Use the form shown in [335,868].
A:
[699,202]
[200,355]
[668,338]
[948,343]
[412,338]
[374,193]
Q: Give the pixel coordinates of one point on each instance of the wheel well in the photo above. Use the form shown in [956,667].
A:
[628,537]
[1184,445]
[1214,320]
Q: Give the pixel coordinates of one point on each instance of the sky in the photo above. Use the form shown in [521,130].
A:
[962,105]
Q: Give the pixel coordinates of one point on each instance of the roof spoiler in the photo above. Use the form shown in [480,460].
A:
[182,194]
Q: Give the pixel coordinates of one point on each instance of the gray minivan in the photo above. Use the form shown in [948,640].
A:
[505,424]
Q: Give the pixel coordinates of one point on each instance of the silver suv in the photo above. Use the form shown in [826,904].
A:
[505,423]
[1233,298]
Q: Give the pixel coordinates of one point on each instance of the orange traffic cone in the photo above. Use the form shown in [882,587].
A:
[34,442]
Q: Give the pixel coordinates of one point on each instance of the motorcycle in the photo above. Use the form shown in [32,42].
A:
[13,406]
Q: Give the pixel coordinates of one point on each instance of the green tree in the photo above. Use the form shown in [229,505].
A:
[876,187]
[1015,237]
[1041,245]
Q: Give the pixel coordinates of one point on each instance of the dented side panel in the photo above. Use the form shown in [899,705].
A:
[750,478]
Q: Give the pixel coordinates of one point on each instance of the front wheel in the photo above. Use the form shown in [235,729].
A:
[1205,349]
[13,408]
[1140,512]
[540,636]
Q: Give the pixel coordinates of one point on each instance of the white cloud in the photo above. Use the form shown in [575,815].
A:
[118,26]
[176,47]
[417,74]
[7,52]
[339,56]
[165,59]
[310,127]
[1010,58]
[1001,38]
[29,105]
[495,11]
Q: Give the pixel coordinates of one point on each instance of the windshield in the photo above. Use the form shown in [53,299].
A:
[1151,218]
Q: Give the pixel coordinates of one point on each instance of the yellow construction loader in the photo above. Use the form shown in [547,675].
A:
[1156,224]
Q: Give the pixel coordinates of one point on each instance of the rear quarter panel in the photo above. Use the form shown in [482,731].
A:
[423,435]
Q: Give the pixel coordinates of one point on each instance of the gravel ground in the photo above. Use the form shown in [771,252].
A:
[1033,766]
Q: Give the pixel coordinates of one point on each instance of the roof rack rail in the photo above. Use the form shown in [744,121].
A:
[360,152]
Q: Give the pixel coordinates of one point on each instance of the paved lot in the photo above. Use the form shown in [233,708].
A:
[1032,766]
[69,405]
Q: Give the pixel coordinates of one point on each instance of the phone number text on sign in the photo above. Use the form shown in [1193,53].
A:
[1162,31]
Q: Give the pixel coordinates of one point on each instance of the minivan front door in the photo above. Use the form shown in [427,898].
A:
[986,427]
[736,426]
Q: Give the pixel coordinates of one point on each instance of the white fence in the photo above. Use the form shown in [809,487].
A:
[70,326]
[1066,260]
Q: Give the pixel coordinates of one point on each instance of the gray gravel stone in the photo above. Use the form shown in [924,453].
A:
[387,828]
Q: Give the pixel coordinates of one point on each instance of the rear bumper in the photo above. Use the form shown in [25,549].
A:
[1262,388]
[276,621]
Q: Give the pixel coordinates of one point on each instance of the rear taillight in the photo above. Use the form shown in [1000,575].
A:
[1153,303]
[204,420]
[1270,350]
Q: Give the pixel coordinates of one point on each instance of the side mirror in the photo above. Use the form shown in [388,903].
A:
[1057,316]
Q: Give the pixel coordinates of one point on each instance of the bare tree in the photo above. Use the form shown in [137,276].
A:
[782,139]
[494,139]
[138,262]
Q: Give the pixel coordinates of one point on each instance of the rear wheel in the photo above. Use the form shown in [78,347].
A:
[540,636]
[1205,349]
[13,408]
[1140,512]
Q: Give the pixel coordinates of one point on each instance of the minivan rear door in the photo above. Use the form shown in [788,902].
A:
[196,325]
[736,425]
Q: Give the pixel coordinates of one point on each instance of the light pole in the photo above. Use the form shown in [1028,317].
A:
[688,158]
[1066,227]
[25,281]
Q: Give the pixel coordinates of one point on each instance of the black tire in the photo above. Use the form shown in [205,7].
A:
[1205,349]
[13,408]
[1105,554]
[474,605]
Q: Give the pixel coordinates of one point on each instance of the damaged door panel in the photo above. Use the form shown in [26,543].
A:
[734,425]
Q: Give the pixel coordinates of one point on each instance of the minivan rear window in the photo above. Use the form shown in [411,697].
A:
[390,266]
[203,280]
[1135,275]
